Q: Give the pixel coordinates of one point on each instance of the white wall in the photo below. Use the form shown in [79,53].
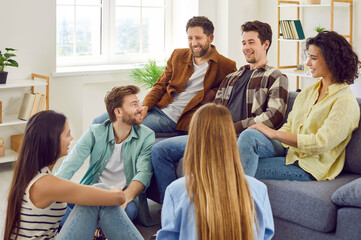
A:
[31,29]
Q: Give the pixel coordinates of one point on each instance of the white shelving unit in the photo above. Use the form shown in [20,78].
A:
[298,4]
[12,120]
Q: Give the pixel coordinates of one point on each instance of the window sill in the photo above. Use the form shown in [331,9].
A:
[93,70]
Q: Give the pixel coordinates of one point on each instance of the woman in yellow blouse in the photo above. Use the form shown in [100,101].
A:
[311,145]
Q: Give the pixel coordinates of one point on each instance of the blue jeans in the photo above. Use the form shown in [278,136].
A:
[156,120]
[265,158]
[131,210]
[83,220]
[164,155]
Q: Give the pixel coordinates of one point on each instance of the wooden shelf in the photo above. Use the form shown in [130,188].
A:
[292,72]
[10,156]
[282,4]
[291,40]
[11,121]
[23,83]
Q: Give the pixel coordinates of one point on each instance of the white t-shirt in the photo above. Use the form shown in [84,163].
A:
[193,86]
[113,173]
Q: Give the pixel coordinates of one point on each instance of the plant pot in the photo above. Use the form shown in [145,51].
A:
[313,1]
[3,76]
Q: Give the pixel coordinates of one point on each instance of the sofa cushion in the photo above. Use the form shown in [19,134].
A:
[348,195]
[306,203]
[353,151]
[291,99]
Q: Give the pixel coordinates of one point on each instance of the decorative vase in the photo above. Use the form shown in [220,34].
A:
[3,76]
[313,1]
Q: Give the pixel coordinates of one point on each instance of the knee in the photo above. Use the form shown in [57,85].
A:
[248,135]
[158,149]
[131,210]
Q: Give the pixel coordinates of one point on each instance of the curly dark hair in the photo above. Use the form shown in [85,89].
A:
[115,98]
[203,22]
[342,61]
[264,30]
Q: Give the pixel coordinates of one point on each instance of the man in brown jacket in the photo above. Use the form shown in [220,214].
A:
[191,78]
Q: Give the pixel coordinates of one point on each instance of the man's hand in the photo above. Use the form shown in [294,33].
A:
[268,132]
[127,200]
[144,112]
[132,191]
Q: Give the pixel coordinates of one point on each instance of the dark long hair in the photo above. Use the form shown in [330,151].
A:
[342,61]
[40,148]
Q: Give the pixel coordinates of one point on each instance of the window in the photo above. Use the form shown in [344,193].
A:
[109,31]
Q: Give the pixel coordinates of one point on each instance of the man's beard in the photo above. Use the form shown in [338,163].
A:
[201,53]
[131,120]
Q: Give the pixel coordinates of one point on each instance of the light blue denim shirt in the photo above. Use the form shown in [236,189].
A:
[98,142]
[178,213]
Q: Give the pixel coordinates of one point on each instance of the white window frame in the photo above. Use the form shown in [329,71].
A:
[108,42]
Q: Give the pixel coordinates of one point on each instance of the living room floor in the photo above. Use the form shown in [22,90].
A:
[5,180]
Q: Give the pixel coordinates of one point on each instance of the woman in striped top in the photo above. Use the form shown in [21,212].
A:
[37,199]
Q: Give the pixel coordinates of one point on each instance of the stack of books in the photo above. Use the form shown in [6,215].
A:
[292,29]
[32,103]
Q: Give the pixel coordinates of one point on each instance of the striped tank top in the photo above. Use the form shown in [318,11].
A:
[39,223]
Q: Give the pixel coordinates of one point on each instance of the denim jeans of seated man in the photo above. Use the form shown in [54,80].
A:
[164,155]
[113,221]
[156,120]
[131,210]
[265,158]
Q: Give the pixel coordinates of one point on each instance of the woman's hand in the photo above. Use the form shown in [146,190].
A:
[268,132]
[287,138]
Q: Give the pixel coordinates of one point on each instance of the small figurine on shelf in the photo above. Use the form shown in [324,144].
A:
[2,147]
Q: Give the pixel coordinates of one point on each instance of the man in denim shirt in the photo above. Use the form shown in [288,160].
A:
[119,150]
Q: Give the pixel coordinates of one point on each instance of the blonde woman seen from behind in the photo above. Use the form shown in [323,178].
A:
[215,200]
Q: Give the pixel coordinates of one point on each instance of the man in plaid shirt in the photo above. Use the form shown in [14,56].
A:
[256,93]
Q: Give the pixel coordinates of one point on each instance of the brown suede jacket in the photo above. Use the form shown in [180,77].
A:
[174,79]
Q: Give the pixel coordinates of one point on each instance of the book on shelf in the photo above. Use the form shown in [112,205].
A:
[300,33]
[292,29]
[26,106]
[31,104]
[42,103]
[34,109]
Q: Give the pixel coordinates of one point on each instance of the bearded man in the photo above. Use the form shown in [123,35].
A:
[119,151]
[191,78]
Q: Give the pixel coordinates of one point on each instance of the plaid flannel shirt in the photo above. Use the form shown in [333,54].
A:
[267,95]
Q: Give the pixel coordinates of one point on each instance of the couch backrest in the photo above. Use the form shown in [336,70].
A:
[353,149]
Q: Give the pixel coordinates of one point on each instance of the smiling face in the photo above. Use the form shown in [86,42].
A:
[131,111]
[65,139]
[198,41]
[254,51]
[317,63]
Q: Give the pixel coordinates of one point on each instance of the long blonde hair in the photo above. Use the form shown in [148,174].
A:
[215,179]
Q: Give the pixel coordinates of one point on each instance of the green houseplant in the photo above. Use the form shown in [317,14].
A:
[319,29]
[148,74]
[6,60]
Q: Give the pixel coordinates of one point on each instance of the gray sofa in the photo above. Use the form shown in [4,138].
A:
[308,210]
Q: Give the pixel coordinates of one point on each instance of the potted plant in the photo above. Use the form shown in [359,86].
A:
[148,74]
[6,60]
[319,29]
